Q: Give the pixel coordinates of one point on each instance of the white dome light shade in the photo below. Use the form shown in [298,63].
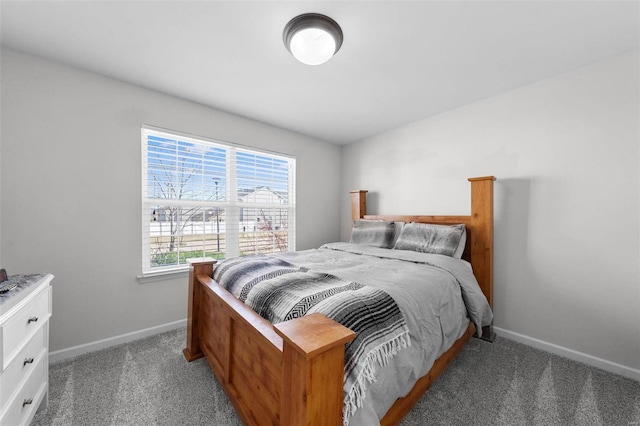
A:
[312,38]
[312,46]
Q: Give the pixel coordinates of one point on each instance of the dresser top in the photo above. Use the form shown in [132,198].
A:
[26,284]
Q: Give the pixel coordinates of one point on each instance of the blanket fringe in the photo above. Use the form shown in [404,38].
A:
[378,356]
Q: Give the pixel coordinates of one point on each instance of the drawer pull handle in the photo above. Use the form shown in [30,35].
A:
[27,402]
[32,319]
[27,361]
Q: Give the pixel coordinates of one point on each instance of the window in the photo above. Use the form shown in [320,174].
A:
[204,198]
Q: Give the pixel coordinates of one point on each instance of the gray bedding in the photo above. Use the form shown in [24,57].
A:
[436,294]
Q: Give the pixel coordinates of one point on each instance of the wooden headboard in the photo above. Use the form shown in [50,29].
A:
[479,248]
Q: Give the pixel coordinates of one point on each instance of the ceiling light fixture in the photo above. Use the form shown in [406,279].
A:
[312,38]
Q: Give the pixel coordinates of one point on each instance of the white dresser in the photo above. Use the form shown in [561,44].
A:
[24,348]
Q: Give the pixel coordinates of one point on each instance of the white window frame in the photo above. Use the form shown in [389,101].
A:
[231,204]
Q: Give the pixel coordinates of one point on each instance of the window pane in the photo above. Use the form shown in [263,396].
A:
[256,171]
[263,231]
[178,233]
[183,170]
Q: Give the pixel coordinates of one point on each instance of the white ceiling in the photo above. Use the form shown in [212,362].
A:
[401,61]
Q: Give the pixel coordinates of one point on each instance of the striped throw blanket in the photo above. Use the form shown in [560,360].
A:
[279,291]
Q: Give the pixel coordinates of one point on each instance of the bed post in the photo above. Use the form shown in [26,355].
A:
[313,370]
[482,239]
[202,266]
[358,204]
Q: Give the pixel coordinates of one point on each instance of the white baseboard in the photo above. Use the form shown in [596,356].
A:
[63,354]
[603,364]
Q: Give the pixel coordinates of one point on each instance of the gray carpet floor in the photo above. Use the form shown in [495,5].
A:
[148,382]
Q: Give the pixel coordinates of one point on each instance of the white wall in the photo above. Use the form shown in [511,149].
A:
[566,154]
[71,158]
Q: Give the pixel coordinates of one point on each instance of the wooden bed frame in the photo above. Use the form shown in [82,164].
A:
[292,373]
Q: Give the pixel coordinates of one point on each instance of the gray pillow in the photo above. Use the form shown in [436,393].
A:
[461,244]
[375,233]
[397,233]
[430,238]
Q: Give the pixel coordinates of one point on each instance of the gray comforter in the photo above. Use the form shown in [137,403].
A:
[436,294]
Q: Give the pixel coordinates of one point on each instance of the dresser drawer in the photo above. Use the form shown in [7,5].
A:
[20,411]
[23,325]
[21,366]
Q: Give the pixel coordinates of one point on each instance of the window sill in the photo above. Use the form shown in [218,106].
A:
[172,274]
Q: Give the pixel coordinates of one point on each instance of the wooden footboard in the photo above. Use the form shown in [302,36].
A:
[292,373]
[288,374]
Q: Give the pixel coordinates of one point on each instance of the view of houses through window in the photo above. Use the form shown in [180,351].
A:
[205,198]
